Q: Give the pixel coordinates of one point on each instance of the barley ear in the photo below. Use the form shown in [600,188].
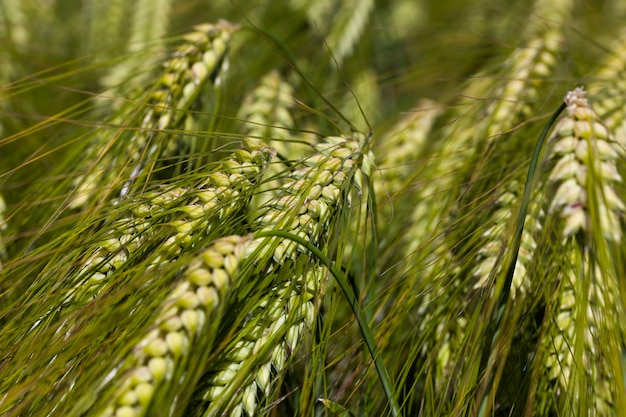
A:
[582,340]
[246,375]
[307,205]
[155,369]
[583,154]
[196,63]
[168,222]
[609,91]
[148,26]
[404,150]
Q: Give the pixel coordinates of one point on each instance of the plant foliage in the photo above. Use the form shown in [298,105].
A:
[312,207]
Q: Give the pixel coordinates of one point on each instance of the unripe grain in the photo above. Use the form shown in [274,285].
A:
[175,332]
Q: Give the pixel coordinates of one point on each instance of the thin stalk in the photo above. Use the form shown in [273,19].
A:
[383,374]
[508,278]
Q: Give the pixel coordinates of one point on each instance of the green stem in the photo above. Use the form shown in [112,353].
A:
[517,239]
[356,309]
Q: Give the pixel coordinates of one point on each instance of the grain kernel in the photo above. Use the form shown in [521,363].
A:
[223,246]
[231,264]
[208,297]
[188,300]
[172,324]
[213,259]
[158,368]
[125,411]
[156,348]
[128,398]
[176,343]
[199,276]
[144,393]
[190,319]
[141,374]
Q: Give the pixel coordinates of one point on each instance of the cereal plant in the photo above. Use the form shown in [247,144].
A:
[312,208]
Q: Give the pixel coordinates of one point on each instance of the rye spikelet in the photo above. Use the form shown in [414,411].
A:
[155,368]
[185,75]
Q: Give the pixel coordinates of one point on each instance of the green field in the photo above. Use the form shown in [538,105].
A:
[312,208]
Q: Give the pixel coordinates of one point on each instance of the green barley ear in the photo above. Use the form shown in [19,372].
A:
[194,65]
[152,230]
[266,119]
[266,113]
[485,141]
[311,200]
[148,23]
[480,134]
[155,374]
[404,151]
[139,250]
[343,23]
[610,90]
[348,26]
[314,193]
[248,372]
[582,342]
[584,152]
[490,255]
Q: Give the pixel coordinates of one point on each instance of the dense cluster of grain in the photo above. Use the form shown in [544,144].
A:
[325,208]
